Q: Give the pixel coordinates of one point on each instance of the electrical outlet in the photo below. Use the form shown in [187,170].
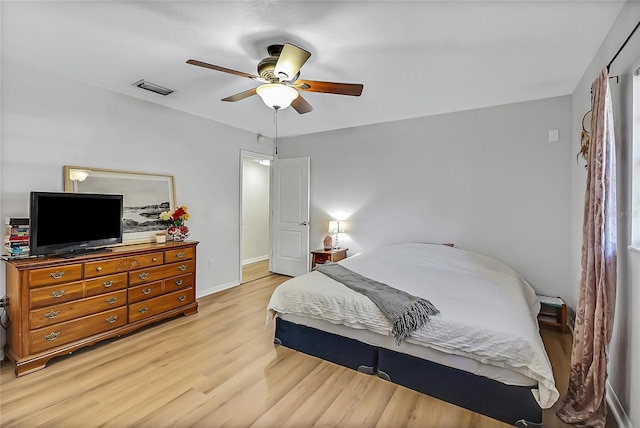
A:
[210,263]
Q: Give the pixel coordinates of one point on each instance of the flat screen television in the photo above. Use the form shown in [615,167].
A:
[68,223]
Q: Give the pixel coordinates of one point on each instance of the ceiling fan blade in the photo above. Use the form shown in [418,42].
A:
[223,69]
[291,59]
[241,95]
[301,105]
[353,89]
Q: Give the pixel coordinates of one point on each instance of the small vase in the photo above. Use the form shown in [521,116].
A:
[178,237]
[178,233]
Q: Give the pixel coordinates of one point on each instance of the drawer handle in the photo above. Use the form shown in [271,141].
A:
[180,255]
[182,267]
[112,319]
[143,310]
[146,291]
[143,275]
[57,293]
[99,268]
[56,275]
[51,315]
[111,300]
[179,282]
[182,298]
[155,259]
[52,336]
[107,284]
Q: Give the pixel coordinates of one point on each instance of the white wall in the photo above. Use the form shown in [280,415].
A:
[624,352]
[2,287]
[50,121]
[255,211]
[488,180]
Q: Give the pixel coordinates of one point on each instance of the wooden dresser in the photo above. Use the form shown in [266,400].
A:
[57,305]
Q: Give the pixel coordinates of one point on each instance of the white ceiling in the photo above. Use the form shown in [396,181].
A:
[415,58]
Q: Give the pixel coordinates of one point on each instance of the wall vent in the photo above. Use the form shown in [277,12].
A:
[143,84]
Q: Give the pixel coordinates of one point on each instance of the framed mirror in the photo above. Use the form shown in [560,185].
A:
[145,196]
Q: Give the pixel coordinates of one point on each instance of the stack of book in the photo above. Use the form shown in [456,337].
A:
[16,241]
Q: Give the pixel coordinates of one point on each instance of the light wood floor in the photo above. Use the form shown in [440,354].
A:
[256,270]
[220,368]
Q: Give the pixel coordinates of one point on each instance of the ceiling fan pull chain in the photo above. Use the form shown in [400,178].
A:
[275,141]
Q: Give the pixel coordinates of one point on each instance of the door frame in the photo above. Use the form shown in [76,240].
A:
[254,155]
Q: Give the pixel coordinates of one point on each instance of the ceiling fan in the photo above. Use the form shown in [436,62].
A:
[279,74]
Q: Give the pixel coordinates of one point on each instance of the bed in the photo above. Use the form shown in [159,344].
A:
[483,351]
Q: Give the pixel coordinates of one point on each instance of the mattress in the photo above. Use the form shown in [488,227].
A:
[487,321]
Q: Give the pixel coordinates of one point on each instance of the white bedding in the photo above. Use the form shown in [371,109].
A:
[487,311]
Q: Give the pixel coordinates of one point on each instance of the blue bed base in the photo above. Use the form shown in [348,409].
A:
[514,405]
[341,350]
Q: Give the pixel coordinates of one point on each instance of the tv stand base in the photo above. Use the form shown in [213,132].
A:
[87,251]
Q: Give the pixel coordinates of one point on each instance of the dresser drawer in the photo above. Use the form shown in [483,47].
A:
[76,309]
[161,272]
[145,291]
[66,332]
[158,305]
[46,296]
[153,259]
[171,256]
[55,275]
[178,282]
[105,284]
[124,264]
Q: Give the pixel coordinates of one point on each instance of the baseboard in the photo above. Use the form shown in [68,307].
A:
[255,259]
[616,409]
[201,292]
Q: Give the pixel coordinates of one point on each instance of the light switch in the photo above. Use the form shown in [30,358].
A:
[554,135]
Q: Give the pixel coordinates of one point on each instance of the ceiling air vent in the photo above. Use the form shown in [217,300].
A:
[143,84]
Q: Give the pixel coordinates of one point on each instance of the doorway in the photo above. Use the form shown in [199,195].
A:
[255,172]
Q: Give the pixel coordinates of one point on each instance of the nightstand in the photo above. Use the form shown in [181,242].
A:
[323,256]
[553,312]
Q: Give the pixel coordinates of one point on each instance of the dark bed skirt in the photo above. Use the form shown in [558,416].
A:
[328,346]
[507,403]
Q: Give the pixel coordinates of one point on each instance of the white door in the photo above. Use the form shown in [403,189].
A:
[290,216]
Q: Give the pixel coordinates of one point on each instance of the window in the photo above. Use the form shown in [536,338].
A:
[635,169]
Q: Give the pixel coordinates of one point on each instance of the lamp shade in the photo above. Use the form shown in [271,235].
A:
[277,95]
[336,226]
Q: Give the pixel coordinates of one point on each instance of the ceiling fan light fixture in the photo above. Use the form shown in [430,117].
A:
[276,95]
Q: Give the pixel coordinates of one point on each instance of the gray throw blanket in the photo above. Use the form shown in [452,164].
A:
[406,312]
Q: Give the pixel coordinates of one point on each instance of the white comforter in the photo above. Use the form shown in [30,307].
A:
[487,311]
